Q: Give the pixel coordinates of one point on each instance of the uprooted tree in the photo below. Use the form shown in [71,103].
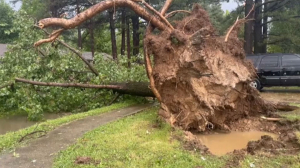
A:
[200,79]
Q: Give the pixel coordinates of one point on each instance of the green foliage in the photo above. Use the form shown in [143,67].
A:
[11,140]
[35,8]
[6,22]
[284,36]
[134,142]
[56,65]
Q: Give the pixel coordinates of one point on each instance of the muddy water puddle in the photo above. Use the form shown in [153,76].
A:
[15,123]
[220,144]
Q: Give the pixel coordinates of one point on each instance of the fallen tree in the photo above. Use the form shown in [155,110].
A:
[201,79]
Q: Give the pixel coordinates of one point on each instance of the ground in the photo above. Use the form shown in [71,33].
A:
[142,140]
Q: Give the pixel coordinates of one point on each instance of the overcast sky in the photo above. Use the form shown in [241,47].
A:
[225,6]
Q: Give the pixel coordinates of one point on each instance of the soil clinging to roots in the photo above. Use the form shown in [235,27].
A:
[203,80]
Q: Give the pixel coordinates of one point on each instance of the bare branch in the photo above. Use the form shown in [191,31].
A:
[166,7]
[51,38]
[177,11]
[76,85]
[149,70]
[91,67]
[158,14]
[238,22]
[100,7]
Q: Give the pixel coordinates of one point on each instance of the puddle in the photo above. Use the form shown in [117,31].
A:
[220,144]
[15,123]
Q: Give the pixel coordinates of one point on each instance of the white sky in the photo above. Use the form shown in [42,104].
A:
[225,6]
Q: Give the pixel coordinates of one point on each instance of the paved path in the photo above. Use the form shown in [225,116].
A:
[40,153]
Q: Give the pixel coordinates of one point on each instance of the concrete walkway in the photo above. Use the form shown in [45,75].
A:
[40,153]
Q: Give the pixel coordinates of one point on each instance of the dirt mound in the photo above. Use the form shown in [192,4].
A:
[287,143]
[203,81]
[86,161]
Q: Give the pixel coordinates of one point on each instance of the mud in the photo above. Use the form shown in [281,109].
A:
[203,81]
[287,143]
[221,144]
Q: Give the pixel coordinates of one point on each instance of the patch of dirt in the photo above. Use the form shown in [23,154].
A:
[237,157]
[255,123]
[86,161]
[287,143]
[191,142]
[288,96]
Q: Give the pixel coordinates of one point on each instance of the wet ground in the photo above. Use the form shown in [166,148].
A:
[41,152]
[221,144]
[15,123]
[281,94]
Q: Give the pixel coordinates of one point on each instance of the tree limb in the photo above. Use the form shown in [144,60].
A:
[158,14]
[177,11]
[100,7]
[91,67]
[131,88]
[78,85]
[238,22]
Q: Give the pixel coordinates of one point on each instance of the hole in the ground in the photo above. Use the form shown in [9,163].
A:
[220,144]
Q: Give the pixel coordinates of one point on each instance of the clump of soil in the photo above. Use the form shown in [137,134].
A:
[191,142]
[287,143]
[203,81]
[86,161]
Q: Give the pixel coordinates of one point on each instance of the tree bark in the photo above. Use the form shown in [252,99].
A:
[135,34]
[248,33]
[123,24]
[265,27]
[131,88]
[92,27]
[258,40]
[79,29]
[113,35]
[128,42]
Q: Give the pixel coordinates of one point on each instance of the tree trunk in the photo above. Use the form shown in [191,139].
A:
[136,34]
[131,88]
[113,35]
[248,33]
[265,28]
[92,26]
[79,29]
[123,24]
[258,28]
[128,42]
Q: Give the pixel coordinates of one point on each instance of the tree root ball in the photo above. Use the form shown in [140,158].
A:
[203,80]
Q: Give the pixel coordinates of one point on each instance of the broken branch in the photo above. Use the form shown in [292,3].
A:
[52,37]
[238,22]
[91,67]
[177,11]
[158,14]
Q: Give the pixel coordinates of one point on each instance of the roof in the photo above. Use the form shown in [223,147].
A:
[3,49]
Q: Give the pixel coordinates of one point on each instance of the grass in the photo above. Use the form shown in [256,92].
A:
[290,161]
[10,140]
[134,142]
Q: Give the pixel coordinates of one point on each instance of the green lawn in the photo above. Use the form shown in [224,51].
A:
[135,142]
[10,140]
